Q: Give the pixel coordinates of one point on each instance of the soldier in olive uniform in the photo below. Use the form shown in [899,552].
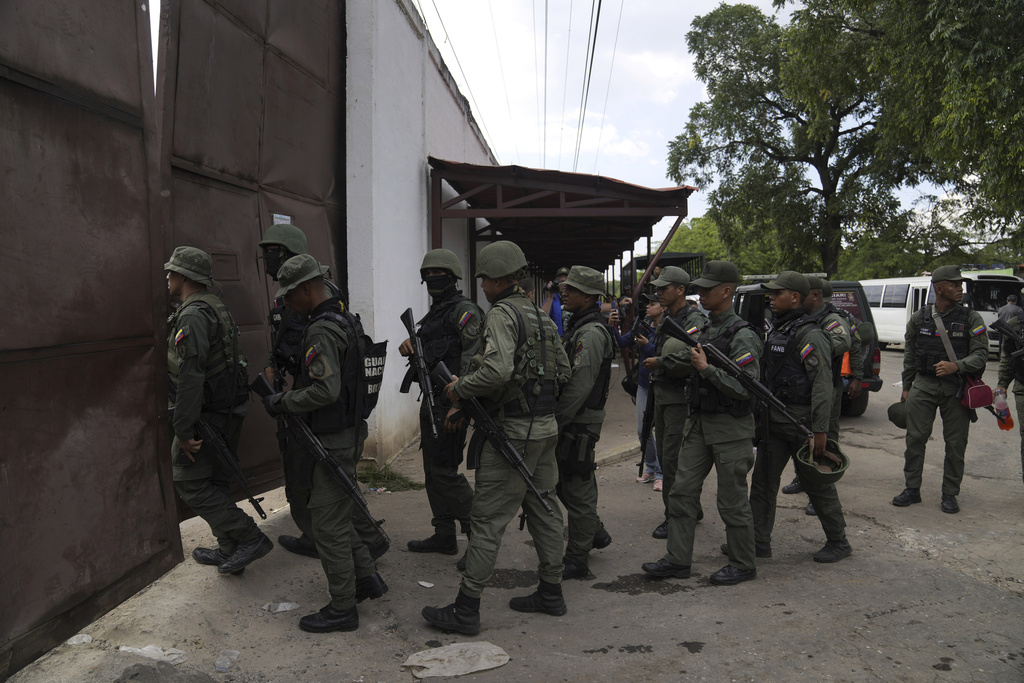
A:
[517,377]
[797,370]
[589,345]
[450,333]
[281,242]
[931,381]
[320,393]
[1012,370]
[670,368]
[718,432]
[207,381]
[856,354]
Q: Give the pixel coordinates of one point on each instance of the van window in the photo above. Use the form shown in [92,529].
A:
[874,295]
[895,296]
[989,295]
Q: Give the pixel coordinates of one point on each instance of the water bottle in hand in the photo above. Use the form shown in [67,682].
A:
[1003,411]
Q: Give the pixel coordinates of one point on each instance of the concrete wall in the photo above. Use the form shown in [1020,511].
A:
[402,106]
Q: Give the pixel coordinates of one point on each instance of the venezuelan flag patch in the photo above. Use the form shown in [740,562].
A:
[579,347]
[693,330]
[177,337]
[744,359]
[310,355]
[804,352]
[466,317]
[832,325]
[978,330]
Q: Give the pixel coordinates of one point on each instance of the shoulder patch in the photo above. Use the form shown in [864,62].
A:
[832,325]
[310,355]
[180,335]
[744,359]
[978,330]
[806,350]
[466,317]
[579,347]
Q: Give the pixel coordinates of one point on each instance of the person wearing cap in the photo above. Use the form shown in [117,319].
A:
[281,242]
[517,378]
[449,333]
[580,413]
[1012,370]
[207,379]
[1010,310]
[670,368]
[798,371]
[931,381]
[643,338]
[554,303]
[717,433]
[318,394]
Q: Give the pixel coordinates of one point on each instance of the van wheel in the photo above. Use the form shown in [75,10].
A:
[855,407]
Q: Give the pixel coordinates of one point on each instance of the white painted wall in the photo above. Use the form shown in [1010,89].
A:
[402,107]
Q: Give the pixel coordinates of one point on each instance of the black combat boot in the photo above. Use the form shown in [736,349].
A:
[213,556]
[446,545]
[665,569]
[246,554]
[661,531]
[908,497]
[330,619]
[602,539]
[793,487]
[761,549]
[833,551]
[462,616]
[572,569]
[547,599]
[300,546]
[371,587]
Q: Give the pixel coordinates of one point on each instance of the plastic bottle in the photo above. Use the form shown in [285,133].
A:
[1003,411]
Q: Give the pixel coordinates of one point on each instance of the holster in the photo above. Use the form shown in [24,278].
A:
[575,453]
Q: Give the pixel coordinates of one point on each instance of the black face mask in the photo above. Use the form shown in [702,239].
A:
[274,261]
[437,284]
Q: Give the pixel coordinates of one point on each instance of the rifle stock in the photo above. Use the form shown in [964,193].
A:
[493,433]
[418,365]
[309,441]
[1003,328]
[720,360]
[208,435]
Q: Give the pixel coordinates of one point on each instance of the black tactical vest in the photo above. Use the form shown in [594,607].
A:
[691,321]
[287,328]
[783,369]
[702,394]
[599,393]
[439,335]
[930,349]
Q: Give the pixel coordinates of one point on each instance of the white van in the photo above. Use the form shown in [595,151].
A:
[892,300]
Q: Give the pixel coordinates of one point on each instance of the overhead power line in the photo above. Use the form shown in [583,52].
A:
[565,85]
[595,21]
[604,110]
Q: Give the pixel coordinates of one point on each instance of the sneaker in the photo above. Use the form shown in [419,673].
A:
[645,478]
[657,484]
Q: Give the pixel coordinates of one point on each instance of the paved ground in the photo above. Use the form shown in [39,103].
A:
[925,597]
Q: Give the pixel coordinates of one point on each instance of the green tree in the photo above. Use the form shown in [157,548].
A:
[787,136]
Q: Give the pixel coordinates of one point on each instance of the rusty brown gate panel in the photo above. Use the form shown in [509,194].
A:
[87,514]
[253,116]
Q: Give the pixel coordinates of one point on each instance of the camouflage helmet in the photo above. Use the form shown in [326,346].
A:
[822,471]
[500,259]
[442,259]
[287,236]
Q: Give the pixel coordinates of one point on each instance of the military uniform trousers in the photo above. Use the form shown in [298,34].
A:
[732,461]
[343,555]
[204,487]
[668,431]
[298,499]
[922,403]
[837,407]
[449,494]
[783,444]
[500,492]
[578,493]
[1018,395]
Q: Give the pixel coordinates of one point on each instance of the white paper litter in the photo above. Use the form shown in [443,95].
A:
[425,584]
[456,659]
[280,606]
[79,639]
[171,655]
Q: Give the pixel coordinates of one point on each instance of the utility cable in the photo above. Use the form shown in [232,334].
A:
[604,111]
[565,85]
[595,24]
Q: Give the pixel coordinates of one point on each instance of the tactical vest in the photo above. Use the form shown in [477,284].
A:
[690,321]
[1016,364]
[362,373]
[286,330]
[705,396]
[784,370]
[599,392]
[439,335]
[930,349]
[533,387]
[837,361]
[225,383]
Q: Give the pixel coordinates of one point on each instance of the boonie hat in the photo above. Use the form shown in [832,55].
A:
[296,270]
[717,272]
[947,274]
[898,414]
[790,279]
[195,264]
[672,275]
[587,280]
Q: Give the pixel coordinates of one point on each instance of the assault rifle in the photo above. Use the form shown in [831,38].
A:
[1003,328]
[715,356]
[208,435]
[309,441]
[483,423]
[418,370]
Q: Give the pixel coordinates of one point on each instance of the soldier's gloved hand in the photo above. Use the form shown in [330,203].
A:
[273,404]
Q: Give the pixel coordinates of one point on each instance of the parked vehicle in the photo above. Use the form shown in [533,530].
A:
[893,300]
[752,304]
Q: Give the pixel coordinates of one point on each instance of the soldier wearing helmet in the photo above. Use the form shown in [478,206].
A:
[449,333]
[516,375]
[281,242]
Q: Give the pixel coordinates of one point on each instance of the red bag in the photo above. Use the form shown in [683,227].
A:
[975,393]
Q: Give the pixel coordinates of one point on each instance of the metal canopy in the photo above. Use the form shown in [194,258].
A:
[558,218]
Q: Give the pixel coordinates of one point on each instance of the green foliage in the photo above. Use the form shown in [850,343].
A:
[385,477]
